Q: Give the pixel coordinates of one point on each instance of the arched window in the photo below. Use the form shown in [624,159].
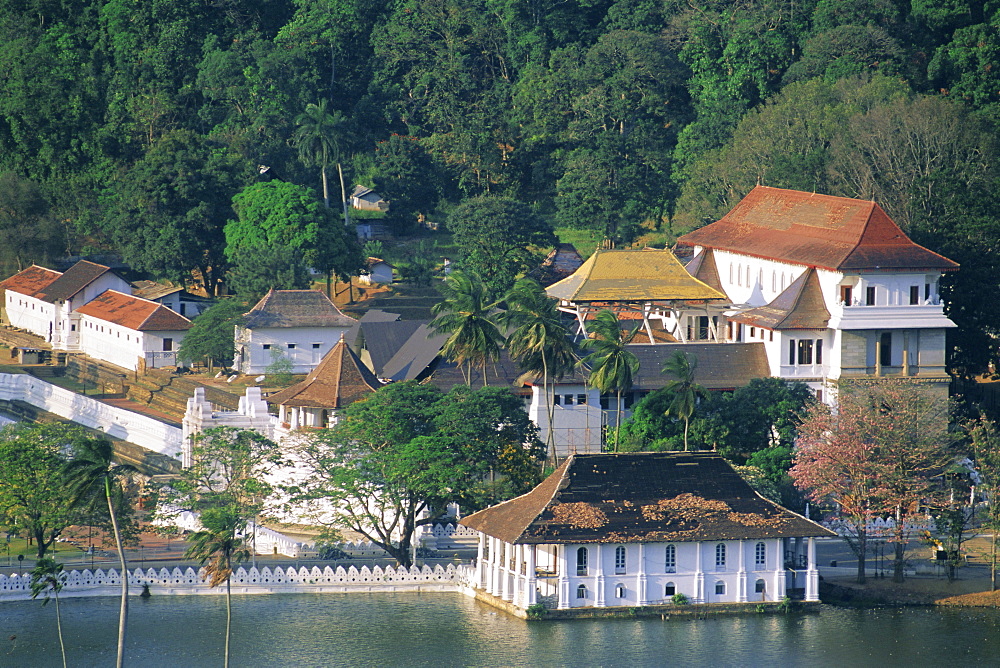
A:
[774,281]
[760,277]
[619,591]
[720,555]
[581,591]
[760,555]
[619,560]
[581,561]
[739,274]
[670,589]
[760,586]
[670,562]
[730,272]
[720,588]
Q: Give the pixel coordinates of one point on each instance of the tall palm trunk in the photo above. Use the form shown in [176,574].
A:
[687,422]
[62,645]
[229,618]
[326,189]
[549,401]
[618,419]
[343,197]
[123,612]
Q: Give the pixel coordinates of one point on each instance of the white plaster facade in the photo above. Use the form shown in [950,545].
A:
[125,347]
[577,418]
[636,574]
[31,314]
[66,326]
[303,346]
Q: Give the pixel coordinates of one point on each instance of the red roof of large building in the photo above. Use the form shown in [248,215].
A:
[134,313]
[31,281]
[837,233]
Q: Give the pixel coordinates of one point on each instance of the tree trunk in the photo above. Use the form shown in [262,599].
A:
[993,562]
[62,645]
[687,422]
[343,197]
[618,418]
[229,618]
[123,612]
[862,551]
[897,566]
[326,189]
[550,409]
[329,281]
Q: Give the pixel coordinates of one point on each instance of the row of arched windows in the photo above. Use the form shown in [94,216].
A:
[670,558]
[670,589]
[740,274]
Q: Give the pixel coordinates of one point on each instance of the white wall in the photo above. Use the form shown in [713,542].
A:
[576,427]
[31,314]
[135,428]
[310,345]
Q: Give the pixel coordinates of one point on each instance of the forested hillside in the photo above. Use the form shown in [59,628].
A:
[130,125]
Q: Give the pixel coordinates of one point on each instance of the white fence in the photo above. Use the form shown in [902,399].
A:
[135,428]
[880,527]
[265,580]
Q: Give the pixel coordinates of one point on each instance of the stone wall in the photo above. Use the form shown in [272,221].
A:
[119,423]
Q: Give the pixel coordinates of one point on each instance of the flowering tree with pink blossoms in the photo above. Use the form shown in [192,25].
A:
[876,455]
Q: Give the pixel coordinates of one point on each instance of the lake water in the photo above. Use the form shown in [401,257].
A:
[453,630]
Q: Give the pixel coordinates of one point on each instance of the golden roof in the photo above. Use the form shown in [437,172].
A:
[632,275]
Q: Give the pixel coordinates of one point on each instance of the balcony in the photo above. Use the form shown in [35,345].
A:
[916,316]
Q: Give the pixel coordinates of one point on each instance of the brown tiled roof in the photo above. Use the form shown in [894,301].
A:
[152,290]
[641,498]
[31,281]
[295,308]
[134,313]
[799,306]
[632,275]
[339,379]
[837,233]
[721,366]
[74,279]
[704,268]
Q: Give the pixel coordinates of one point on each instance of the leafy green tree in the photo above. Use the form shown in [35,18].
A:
[538,340]
[466,314]
[210,338]
[171,207]
[494,234]
[281,230]
[396,459]
[985,449]
[217,546]
[612,365]
[684,390]
[47,577]
[34,494]
[406,178]
[318,141]
[94,478]
[32,235]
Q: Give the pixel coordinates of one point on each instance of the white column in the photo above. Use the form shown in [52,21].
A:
[641,578]
[599,577]
[479,562]
[532,580]
[562,568]
[507,572]
[778,591]
[496,556]
[519,578]
[812,574]
[699,575]
[741,578]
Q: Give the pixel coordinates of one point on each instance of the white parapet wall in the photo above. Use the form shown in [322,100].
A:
[136,428]
[264,580]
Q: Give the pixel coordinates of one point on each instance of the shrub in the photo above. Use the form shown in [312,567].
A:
[679,599]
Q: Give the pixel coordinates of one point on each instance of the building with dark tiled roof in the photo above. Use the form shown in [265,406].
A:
[831,287]
[339,380]
[299,325]
[129,331]
[628,530]
[173,297]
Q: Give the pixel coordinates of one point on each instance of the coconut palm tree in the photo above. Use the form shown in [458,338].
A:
[538,340]
[95,479]
[683,389]
[217,546]
[47,577]
[612,364]
[318,140]
[466,315]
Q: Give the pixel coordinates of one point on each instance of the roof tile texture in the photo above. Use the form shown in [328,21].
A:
[31,281]
[134,313]
[74,279]
[339,380]
[641,497]
[835,233]
[295,308]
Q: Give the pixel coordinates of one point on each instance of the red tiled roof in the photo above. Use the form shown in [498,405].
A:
[135,313]
[836,233]
[31,281]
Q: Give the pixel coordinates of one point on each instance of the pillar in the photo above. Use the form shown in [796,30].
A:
[561,568]
[741,577]
[699,576]
[641,578]
[480,573]
[599,577]
[812,574]
[532,579]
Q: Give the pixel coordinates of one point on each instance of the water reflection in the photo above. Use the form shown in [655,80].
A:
[452,630]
